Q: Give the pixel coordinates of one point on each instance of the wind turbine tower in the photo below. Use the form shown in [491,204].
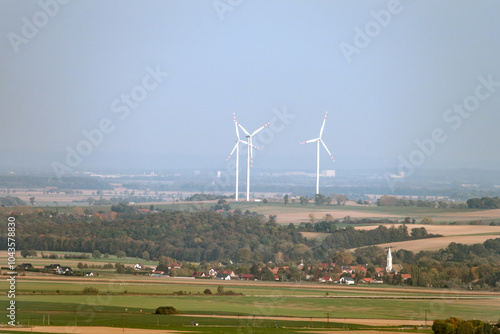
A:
[319,140]
[250,152]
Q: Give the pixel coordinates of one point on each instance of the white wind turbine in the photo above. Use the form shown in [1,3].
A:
[237,148]
[250,153]
[319,140]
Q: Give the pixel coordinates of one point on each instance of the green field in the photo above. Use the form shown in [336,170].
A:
[146,286]
[122,302]
[484,309]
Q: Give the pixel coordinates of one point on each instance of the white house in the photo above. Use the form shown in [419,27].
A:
[347,280]
[138,266]
[225,277]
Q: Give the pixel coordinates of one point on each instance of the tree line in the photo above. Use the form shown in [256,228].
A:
[484,203]
[353,238]
[394,201]
[191,236]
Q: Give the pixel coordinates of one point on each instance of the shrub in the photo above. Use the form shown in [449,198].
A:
[90,291]
[166,310]
[207,291]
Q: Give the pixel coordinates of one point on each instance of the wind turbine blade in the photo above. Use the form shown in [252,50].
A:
[326,148]
[235,146]
[323,126]
[262,127]
[242,141]
[310,141]
[236,126]
[242,128]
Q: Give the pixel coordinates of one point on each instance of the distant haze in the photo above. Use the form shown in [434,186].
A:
[160,80]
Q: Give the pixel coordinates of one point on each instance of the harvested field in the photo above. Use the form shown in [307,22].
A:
[447,230]
[481,215]
[464,234]
[436,243]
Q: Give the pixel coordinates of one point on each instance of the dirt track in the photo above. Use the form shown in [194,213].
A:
[369,322]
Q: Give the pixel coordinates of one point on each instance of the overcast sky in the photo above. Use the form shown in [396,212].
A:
[387,72]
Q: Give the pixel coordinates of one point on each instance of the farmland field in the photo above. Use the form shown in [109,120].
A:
[127,302]
[296,213]
[130,301]
[465,234]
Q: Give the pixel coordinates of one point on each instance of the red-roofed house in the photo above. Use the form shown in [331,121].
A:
[230,273]
[405,276]
[247,277]
[325,279]
[359,269]
[199,274]
[174,265]
[346,269]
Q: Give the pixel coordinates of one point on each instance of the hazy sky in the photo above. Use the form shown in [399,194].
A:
[389,74]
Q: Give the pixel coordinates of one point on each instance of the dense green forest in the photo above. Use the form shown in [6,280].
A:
[192,236]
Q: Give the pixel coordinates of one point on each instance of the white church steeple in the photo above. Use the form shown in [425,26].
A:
[389,261]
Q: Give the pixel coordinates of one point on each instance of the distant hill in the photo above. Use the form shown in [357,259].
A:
[11,201]
[25,181]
